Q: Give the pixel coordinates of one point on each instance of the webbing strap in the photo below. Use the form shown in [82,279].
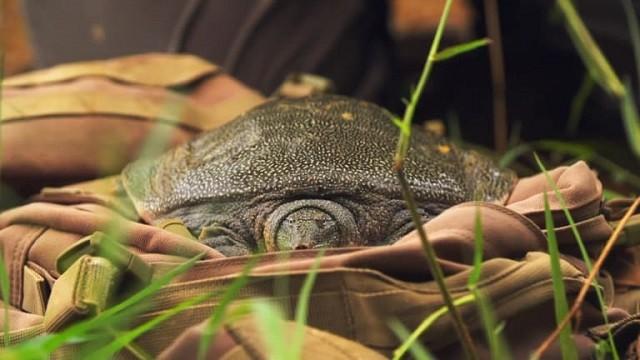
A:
[34,288]
[97,244]
[87,287]
[177,227]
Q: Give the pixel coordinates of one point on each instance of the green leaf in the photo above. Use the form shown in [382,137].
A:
[478,246]
[417,351]
[561,307]
[497,343]
[581,246]
[427,323]
[634,32]
[631,120]
[302,310]
[578,103]
[104,321]
[596,63]
[460,49]
[127,337]
[492,330]
[217,317]
[270,323]
[512,154]
[5,291]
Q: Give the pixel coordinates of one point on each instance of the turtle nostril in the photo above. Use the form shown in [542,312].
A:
[301,247]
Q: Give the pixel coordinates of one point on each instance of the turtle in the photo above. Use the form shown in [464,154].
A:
[294,174]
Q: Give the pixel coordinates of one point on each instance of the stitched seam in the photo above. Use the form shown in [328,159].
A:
[20,252]
[524,220]
[247,346]
[346,303]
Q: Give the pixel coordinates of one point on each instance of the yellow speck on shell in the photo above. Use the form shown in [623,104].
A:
[347,116]
[444,149]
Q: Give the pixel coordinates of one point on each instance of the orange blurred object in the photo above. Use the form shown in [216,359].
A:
[18,53]
[410,17]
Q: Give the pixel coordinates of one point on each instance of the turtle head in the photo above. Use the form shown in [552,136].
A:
[308,224]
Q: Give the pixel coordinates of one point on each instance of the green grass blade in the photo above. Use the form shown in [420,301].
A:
[602,72]
[497,344]
[158,138]
[4,290]
[578,150]
[135,350]
[596,63]
[426,324]
[417,351]
[403,141]
[460,49]
[609,194]
[454,133]
[116,314]
[302,309]
[574,228]
[512,154]
[152,288]
[631,120]
[634,32]
[583,250]
[567,345]
[495,338]
[578,103]
[400,155]
[216,319]
[127,337]
[270,323]
[515,135]
[478,249]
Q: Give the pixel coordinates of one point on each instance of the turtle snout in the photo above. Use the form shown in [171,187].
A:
[308,224]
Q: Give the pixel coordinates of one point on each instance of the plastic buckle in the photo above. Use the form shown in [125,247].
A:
[137,271]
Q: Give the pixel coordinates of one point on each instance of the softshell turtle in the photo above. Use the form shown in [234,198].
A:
[306,173]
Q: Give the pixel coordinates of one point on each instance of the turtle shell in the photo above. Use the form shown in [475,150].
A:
[312,145]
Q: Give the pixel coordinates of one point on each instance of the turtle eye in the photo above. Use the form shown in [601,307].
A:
[307,224]
[323,224]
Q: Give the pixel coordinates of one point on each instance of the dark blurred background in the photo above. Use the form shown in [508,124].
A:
[372,49]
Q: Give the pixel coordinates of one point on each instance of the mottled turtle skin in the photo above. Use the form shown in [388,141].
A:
[306,173]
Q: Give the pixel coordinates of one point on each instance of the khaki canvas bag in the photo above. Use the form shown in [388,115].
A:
[84,120]
[58,277]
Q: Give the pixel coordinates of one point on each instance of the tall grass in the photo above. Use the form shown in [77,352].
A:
[578,151]
[45,346]
[497,344]
[602,72]
[567,346]
[217,317]
[302,308]
[398,167]
[427,323]
[583,250]
[270,319]
[634,32]
[415,347]
[590,278]
[5,287]
[578,103]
